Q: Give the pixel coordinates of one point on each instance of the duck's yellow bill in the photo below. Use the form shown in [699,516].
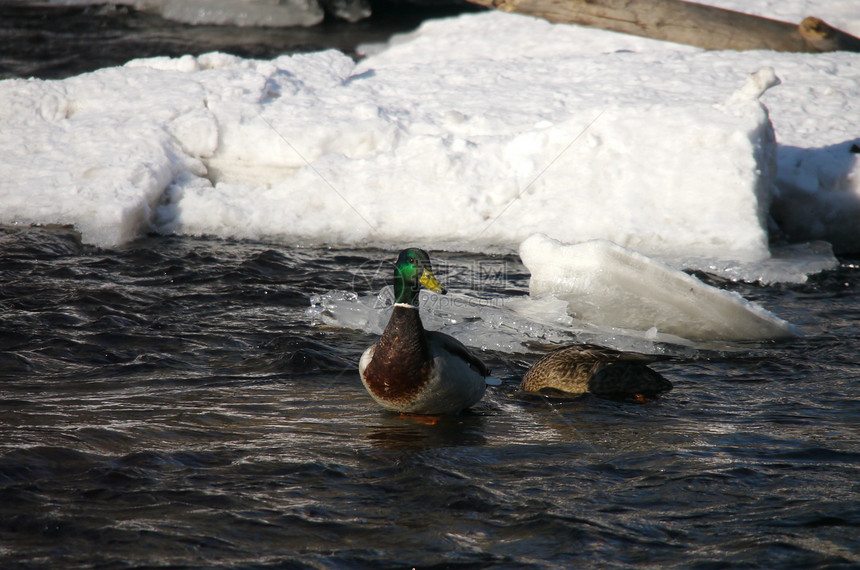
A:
[430,282]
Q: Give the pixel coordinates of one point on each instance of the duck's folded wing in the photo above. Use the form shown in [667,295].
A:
[456,348]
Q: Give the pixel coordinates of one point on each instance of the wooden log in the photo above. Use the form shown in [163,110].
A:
[824,37]
[686,23]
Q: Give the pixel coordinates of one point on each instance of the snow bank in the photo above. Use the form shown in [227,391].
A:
[445,139]
[97,151]
[394,167]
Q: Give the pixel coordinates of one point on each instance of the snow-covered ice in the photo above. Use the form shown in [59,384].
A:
[471,133]
[447,140]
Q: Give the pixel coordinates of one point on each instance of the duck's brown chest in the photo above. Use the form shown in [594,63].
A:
[401,365]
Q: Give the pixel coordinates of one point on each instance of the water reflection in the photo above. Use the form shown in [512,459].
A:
[397,431]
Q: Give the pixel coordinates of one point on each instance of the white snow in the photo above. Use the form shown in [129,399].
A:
[471,133]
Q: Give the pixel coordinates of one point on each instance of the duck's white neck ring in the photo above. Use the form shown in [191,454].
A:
[405,305]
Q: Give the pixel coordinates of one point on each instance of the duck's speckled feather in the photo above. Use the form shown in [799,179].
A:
[578,369]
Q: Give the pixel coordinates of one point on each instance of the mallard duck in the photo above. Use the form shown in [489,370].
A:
[577,369]
[411,370]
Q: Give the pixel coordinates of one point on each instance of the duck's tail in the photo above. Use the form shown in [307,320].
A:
[626,380]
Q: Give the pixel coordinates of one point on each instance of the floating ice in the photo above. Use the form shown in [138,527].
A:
[480,323]
[258,13]
[609,285]
[508,324]
[281,13]
[788,264]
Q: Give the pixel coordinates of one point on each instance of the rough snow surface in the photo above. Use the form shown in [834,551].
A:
[446,139]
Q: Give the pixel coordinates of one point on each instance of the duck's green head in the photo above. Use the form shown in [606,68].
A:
[411,271]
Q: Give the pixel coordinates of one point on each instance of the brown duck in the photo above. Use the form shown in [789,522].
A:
[411,370]
[605,372]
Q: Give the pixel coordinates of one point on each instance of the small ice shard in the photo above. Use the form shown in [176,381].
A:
[606,284]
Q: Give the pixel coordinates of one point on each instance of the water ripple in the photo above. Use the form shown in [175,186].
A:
[169,404]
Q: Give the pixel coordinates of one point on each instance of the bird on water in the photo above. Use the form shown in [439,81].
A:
[589,368]
[412,370]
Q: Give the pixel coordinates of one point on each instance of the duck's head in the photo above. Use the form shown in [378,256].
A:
[411,271]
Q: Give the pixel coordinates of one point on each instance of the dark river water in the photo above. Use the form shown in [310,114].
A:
[170,403]
[59,41]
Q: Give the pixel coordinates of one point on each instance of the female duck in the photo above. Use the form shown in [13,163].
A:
[605,372]
[411,370]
